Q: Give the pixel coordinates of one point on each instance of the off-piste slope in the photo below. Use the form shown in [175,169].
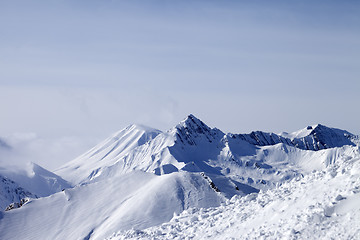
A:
[141,177]
[106,153]
[96,210]
[323,204]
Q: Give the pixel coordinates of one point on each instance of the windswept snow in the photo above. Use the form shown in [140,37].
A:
[11,192]
[137,199]
[208,183]
[106,153]
[35,179]
[323,204]
[30,181]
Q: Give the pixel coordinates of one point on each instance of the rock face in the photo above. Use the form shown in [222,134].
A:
[32,181]
[11,192]
[17,204]
[318,137]
[191,130]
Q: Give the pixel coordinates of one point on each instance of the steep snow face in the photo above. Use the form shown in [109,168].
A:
[29,181]
[321,137]
[35,179]
[189,143]
[106,153]
[11,192]
[195,144]
[134,200]
[193,131]
[190,146]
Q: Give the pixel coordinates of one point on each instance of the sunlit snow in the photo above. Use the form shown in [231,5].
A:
[192,181]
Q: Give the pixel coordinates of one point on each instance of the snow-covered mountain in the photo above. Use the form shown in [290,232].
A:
[31,181]
[107,153]
[310,138]
[11,192]
[36,179]
[141,177]
[28,181]
[245,160]
[321,205]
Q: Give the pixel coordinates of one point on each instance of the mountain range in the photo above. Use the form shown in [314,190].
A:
[142,177]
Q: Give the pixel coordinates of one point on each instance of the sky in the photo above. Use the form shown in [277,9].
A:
[74,72]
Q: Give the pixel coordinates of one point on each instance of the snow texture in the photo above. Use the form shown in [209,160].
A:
[30,181]
[197,182]
[323,204]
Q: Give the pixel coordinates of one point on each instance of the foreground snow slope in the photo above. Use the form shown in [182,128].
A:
[96,210]
[323,204]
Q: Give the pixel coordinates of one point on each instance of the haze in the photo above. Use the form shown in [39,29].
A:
[73,72]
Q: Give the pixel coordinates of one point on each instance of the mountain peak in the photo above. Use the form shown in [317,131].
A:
[191,119]
[192,128]
[141,127]
[193,123]
[331,132]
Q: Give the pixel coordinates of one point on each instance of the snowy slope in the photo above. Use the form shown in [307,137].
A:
[28,180]
[106,153]
[257,160]
[136,199]
[31,180]
[321,205]
[35,179]
[11,192]
[140,177]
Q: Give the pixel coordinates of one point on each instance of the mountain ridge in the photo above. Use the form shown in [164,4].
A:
[192,146]
[140,177]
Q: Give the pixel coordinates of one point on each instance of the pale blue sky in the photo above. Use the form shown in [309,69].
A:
[89,68]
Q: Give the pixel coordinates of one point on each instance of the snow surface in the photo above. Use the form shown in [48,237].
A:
[106,153]
[30,181]
[11,192]
[35,179]
[323,204]
[136,199]
[210,184]
[300,133]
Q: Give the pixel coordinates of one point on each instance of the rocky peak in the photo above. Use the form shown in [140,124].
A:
[326,137]
[312,138]
[11,192]
[191,129]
